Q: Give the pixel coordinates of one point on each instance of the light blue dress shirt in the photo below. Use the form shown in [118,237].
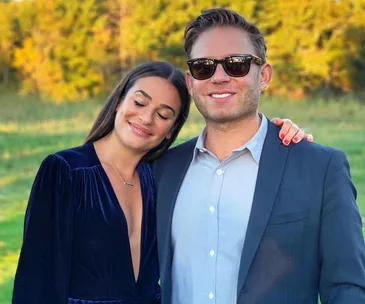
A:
[210,221]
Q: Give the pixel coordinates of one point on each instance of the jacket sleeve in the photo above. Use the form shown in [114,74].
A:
[43,270]
[342,249]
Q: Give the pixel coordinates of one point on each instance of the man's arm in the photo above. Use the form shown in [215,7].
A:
[342,249]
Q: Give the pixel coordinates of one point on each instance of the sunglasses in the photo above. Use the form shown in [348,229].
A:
[236,66]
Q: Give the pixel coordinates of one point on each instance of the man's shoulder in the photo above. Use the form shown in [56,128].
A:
[315,153]
[314,148]
[311,152]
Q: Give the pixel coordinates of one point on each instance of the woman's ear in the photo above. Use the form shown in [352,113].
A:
[168,136]
[171,132]
[117,108]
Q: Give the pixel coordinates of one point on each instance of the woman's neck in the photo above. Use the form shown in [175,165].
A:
[111,151]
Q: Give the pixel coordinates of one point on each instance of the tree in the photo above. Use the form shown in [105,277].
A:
[64,54]
[156,28]
[7,39]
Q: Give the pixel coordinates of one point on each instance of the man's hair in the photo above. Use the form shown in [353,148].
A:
[220,17]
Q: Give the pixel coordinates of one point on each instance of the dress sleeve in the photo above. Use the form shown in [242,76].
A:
[43,271]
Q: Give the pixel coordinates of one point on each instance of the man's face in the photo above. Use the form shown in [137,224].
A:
[223,98]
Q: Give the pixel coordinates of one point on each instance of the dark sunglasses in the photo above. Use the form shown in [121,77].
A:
[236,66]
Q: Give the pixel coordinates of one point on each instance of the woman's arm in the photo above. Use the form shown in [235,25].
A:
[43,271]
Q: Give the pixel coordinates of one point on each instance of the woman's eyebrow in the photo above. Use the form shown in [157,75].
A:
[144,94]
[168,108]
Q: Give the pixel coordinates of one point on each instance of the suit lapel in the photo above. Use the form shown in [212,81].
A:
[269,177]
[169,179]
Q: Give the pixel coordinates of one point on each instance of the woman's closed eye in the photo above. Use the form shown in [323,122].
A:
[138,104]
[162,116]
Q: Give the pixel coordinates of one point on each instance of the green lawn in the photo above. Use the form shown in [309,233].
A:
[30,130]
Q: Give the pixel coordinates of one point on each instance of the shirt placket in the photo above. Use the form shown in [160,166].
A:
[212,209]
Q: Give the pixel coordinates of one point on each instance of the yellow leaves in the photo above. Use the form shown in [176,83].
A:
[7,36]
[314,62]
[22,56]
[66,50]
[40,72]
[308,44]
[63,57]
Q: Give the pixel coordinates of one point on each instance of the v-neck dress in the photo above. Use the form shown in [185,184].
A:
[76,247]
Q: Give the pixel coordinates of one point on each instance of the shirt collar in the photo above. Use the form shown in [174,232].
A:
[254,145]
[199,146]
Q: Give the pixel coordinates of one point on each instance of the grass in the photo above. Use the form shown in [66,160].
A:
[29,130]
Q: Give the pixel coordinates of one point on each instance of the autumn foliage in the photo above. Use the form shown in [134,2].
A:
[69,50]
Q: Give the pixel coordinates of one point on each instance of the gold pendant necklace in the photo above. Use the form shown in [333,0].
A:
[127,184]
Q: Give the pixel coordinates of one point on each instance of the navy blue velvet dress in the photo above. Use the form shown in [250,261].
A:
[76,247]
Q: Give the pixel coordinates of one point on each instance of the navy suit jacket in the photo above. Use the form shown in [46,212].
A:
[304,236]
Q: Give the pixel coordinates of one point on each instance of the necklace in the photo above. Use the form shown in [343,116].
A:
[127,184]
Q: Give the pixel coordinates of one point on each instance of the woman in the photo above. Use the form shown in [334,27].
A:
[90,223]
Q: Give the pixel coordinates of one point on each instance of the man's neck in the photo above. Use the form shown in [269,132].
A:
[221,139]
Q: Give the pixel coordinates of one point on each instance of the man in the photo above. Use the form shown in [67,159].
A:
[241,217]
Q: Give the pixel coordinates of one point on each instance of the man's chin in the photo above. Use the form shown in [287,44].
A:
[221,119]
[226,118]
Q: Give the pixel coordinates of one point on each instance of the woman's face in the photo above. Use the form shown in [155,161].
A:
[147,114]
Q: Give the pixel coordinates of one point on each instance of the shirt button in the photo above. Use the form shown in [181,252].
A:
[211,252]
[201,150]
[211,296]
[212,209]
[219,171]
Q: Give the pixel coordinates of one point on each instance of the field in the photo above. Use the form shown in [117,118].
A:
[29,130]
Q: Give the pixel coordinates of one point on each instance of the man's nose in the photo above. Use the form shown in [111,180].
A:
[220,75]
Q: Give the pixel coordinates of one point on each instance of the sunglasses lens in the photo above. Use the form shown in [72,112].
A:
[202,68]
[237,66]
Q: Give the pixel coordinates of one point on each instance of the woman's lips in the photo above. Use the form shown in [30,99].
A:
[139,130]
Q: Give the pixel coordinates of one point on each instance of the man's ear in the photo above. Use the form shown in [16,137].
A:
[265,76]
[189,82]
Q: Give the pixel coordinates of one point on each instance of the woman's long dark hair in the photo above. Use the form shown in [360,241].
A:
[104,123]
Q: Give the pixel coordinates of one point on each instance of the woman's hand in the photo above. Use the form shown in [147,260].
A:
[290,132]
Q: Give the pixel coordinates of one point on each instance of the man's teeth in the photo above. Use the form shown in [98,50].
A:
[221,95]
